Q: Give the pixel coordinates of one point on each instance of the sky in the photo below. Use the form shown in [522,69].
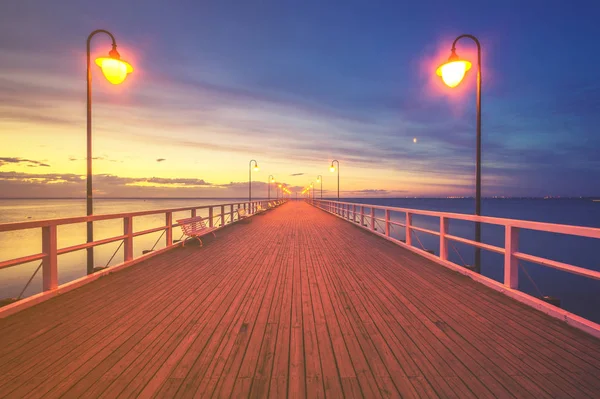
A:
[295,85]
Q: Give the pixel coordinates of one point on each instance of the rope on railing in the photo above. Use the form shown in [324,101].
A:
[161,234]
[114,253]
[458,253]
[29,282]
[530,279]
[417,237]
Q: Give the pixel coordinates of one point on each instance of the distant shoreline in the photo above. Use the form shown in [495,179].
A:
[594,198]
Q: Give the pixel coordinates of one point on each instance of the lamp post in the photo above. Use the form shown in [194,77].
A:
[452,73]
[250,178]
[271,180]
[115,70]
[332,169]
[320,180]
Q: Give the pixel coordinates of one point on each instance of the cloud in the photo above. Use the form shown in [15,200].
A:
[22,161]
[97,158]
[160,160]
[297,174]
[52,185]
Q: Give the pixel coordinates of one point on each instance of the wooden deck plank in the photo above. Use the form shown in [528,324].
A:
[296,303]
[162,338]
[139,371]
[192,361]
[464,336]
[69,348]
[447,302]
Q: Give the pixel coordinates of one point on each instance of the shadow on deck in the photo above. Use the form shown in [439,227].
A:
[295,303]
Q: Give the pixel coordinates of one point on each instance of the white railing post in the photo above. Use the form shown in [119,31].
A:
[169,222]
[443,240]
[128,241]
[387,222]
[372,218]
[50,261]
[222,215]
[210,217]
[194,213]
[408,224]
[354,213]
[362,215]
[511,263]
[231,213]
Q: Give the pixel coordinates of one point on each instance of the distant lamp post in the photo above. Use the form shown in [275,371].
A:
[452,73]
[271,180]
[250,178]
[320,180]
[332,169]
[115,70]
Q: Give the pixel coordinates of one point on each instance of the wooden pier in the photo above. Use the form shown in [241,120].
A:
[296,303]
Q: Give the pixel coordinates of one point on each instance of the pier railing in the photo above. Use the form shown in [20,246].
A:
[218,216]
[364,216]
[362,213]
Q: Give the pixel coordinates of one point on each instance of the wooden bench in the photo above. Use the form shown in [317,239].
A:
[242,214]
[195,228]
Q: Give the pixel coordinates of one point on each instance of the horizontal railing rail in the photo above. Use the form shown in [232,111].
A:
[218,216]
[512,227]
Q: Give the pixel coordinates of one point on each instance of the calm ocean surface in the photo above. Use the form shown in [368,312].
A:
[577,294]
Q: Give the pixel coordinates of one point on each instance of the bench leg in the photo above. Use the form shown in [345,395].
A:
[199,240]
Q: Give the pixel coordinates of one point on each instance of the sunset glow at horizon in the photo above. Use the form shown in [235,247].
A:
[215,87]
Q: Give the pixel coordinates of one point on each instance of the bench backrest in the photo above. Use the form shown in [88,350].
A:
[193,225]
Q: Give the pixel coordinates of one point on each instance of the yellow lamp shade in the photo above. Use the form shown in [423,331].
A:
[453,72]
[318,180]
[256,168]
[272,180]
[114,70]
[332,169]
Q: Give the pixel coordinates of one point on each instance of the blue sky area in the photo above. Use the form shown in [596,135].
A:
[296,84]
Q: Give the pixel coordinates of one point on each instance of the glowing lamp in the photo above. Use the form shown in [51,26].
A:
[115,70]
[256,168]
[272,180]
[332,168]
[453,71]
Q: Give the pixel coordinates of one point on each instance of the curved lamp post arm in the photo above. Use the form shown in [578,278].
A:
[250,178]
[271,177]
[89,188]
[338,177]
[320,180]
[478,159]
[89,111]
